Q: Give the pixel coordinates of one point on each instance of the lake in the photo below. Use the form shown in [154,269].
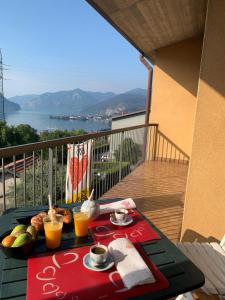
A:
[41,121]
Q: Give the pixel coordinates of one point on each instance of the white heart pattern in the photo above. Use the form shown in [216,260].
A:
[56,263]
[75,255]
[45,274]
[47,288]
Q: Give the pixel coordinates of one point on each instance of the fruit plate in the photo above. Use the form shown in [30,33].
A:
[17,252]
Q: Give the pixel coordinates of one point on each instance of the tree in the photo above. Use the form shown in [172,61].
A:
[131,151]
[17,135]
[3,134]
[57,134]
[25,134]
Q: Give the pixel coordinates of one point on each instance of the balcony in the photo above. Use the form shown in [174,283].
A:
[158,190]
[138,162]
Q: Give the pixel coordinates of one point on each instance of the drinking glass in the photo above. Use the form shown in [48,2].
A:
[81,220]
[53,230]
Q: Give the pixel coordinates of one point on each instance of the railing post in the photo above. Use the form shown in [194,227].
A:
[121,155]
[3,184]
[144,147]
[24,179]
[34,179]
[155,142]
[14,178]
[50,171]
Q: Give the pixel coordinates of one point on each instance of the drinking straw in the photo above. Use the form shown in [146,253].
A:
[92,192]
[49,201]
[50,171]
[50,207]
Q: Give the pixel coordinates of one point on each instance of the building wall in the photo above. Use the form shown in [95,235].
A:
[204,212]
[136,135]
[175,84]
[127,122]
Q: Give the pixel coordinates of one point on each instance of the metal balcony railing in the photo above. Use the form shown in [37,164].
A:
[161,148]
[29,172]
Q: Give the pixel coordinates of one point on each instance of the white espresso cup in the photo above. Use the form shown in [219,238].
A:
[121,214]
[98,254]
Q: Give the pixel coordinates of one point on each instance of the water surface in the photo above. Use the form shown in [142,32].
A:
[41,121]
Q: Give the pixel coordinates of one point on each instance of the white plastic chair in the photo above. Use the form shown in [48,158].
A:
[210,259]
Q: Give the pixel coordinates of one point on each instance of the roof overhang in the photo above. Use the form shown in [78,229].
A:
[130,115]
[150,25]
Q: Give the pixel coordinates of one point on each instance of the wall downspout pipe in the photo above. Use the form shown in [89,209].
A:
[148,103]
[148,97]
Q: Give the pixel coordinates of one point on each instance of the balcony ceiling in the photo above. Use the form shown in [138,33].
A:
[153,24]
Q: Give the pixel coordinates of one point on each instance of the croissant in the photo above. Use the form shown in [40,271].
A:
[37,221]
[67,216]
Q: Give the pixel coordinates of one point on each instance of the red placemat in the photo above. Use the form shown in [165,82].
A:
[139,231]
[63,276]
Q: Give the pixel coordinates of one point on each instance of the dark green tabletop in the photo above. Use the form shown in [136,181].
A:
[181,273]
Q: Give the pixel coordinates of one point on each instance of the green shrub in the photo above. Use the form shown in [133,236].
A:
[58,189]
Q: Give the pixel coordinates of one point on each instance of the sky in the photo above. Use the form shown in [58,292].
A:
[52,45]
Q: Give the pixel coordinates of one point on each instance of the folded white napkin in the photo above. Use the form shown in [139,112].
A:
[129,263]
[125,203]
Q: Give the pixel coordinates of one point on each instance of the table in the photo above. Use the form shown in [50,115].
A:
[181,273]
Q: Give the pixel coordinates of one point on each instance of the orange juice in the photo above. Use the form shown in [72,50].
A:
[81,223]
[53,233]
[53,230]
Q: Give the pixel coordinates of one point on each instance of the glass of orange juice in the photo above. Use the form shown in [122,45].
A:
[81,220]
[53,230]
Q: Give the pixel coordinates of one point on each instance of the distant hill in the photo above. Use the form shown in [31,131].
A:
[84,102]
[130,101]
[10,107]
[21,100]
[62,102]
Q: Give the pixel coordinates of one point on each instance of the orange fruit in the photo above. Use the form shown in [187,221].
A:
[8,240]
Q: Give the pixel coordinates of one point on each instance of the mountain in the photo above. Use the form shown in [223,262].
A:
[10,107]
[62,102]
[130,101]
[21,100]
[84,102]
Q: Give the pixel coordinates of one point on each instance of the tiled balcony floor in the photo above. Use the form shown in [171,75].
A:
[158,190]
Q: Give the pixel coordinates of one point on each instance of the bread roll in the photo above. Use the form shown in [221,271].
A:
[37,221]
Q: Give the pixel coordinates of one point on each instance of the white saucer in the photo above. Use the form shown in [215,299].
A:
[88,264]
[114,221]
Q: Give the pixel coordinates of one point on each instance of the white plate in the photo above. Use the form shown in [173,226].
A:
[114,221]
[107,265]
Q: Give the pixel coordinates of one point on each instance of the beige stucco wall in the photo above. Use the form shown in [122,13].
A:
[129,121]
[204,213]
[136,135]
[175,84]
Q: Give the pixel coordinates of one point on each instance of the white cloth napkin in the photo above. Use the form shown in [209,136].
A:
[125,203]
[129,263]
